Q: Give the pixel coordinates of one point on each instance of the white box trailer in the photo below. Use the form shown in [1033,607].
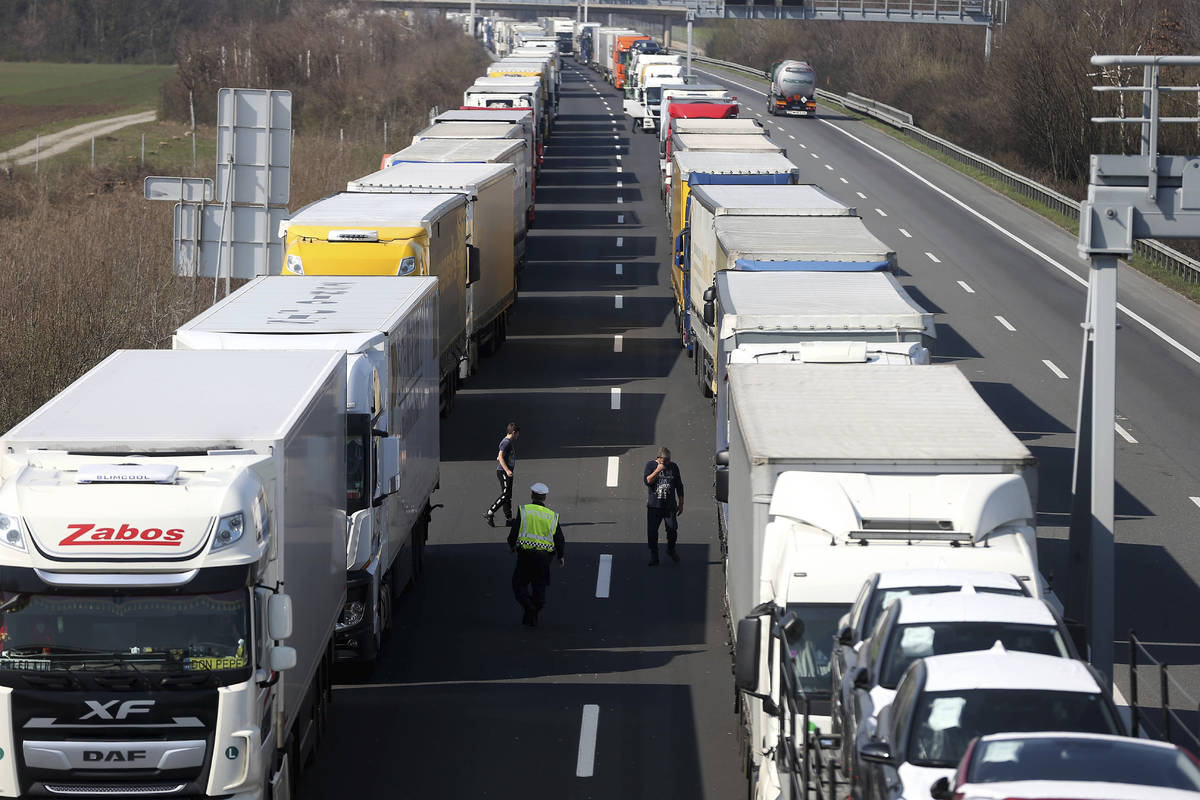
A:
[693,125]
[388,331]
[488,189]
[728,142]
[834,471]
[174,532]
[807,317]
[399,235]
[482,151]
[508,93]
[514,116]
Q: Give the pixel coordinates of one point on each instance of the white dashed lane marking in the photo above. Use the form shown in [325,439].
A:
[966,288]
[1051,366]
[1007,325]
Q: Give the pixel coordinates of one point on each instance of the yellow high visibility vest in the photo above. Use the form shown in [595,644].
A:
[538,525]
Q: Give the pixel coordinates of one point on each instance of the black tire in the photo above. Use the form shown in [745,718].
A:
[702,380]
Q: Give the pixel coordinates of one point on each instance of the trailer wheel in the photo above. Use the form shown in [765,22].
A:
[702,380]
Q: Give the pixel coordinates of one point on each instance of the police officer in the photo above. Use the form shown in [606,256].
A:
[536,537]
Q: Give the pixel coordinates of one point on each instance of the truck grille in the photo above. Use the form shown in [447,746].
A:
[114,788]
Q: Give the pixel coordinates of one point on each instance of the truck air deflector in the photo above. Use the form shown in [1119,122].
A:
[752,265]
[708,178]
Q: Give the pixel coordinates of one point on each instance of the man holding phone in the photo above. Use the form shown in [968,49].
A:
[664,503]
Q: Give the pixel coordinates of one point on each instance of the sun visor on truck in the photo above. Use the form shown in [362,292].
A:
[712,179]
[750,265]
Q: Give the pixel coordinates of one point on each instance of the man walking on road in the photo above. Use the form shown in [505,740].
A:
[664,503]
[536,537]
[506,462]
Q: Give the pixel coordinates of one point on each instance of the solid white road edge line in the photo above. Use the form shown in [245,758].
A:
[615,398]
[613,470]
[604,575]
[1005,323]
[586,762]
[1053,368]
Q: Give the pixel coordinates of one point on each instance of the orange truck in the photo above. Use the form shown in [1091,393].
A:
[621,48]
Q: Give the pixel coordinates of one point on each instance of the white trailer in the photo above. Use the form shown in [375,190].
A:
[388,331]
[833,471]
[488,189]
[480,151]
[172,543]
[807,317]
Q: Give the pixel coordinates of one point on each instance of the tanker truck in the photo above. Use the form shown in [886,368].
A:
[793,88]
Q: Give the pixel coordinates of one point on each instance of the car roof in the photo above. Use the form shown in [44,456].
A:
[967,606]
[915,578]
[1084,737]
[998,668]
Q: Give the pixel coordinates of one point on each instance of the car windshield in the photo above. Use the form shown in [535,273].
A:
[944,722]
[907,643]
[882,598]
[1084,760]
[177,632]
[810,642]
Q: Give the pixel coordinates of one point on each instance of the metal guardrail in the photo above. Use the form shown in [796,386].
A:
[1170,724]
[1152,250]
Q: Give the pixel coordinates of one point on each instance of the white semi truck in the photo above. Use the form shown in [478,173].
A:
[836,471]
[388,331]
[173,562]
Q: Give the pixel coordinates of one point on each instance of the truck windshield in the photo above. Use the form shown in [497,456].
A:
[653,95]
[162,633]
[921,640]
[945,722]
[810,642]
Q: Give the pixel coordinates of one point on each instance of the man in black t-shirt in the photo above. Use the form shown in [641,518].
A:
[506,462]
[664,502]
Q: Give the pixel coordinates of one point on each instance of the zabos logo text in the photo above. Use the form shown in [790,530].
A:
[87,533]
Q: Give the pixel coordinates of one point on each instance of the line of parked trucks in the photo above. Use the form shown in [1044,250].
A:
[877,518]
[191,538]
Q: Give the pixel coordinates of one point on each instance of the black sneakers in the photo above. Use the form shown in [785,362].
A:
[490,521]
[653,560]
[674,556]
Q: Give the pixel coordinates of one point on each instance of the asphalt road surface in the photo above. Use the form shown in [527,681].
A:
[624,696]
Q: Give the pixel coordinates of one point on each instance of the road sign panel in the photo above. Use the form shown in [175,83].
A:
[186,190]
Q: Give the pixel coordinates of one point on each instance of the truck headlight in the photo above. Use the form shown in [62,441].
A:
[11,534]
[352,614]
[295,265]
[229,530]
[408,265]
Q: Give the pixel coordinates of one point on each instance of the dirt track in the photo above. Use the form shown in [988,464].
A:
[55,143]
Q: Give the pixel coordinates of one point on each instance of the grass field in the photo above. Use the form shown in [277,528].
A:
[38,97]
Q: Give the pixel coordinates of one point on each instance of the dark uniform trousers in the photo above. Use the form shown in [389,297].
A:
[531,577]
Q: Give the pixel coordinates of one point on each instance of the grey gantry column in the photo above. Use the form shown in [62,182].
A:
[1129,197]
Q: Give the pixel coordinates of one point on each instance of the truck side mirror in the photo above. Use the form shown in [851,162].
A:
[846,636]
[721,485]
[721,482]
[279,616]
[281,658]
[876,753]
[360,539]
[472,264]
[862,679]
[389,463]
[751,672]
[710,313]
[710,294]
